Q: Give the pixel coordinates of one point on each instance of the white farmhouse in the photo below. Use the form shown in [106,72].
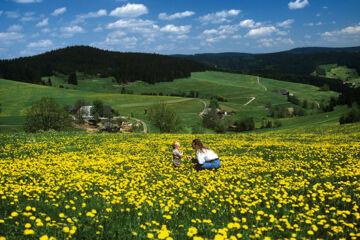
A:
[85,112]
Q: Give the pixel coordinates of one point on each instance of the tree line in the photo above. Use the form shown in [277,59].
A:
[125,67]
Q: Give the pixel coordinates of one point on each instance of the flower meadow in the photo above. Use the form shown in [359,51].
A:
[277,185]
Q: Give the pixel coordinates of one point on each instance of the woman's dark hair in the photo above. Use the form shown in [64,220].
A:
[198,145]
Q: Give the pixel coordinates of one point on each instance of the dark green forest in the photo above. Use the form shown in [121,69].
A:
[125,67]
[296,61]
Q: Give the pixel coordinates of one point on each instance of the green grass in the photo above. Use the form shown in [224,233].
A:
[237,89]
[343,73]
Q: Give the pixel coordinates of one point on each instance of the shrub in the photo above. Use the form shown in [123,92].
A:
[351,117]
[221,126]
[244,124]
[98,108]
[45,115]
[197,129]
[214,103]
[164,118]
[73,79]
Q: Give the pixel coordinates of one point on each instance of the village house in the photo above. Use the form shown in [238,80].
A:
[85,112]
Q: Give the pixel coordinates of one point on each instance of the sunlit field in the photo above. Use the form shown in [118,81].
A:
[283,185]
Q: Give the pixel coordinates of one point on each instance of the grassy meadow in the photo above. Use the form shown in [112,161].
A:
[237,89]
[343,73]
[289,184]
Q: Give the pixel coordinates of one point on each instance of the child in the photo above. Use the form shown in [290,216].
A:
[176,154]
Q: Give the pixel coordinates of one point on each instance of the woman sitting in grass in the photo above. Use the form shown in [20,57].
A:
[205,158]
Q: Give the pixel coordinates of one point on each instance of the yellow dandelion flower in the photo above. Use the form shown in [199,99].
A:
[44,237]
[28,232]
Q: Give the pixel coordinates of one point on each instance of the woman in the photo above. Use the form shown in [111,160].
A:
[205,158]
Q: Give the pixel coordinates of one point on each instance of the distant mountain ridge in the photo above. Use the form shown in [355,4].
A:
[299,50]
[295,61]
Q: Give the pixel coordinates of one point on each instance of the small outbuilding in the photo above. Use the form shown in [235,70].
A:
[85,112]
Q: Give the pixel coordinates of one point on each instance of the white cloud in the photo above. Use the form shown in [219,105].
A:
[10,36]
[164,16]
[286,23]
[269,42]
[129,23]
[40,44]
[27,1]
[287,41]
[215,39]
[266,42]
[70,31]
[170,28]
[82,17]
[130,10]
[210,31]
[15,28]
[351,30]
[117,39]
[43,23]
[29,16]
[58,11]
[219,17]
[98,29]
[11,14]
[313,24]
[1,12]
[298,4]
[262,31]
[248,23]
[237,36]
[178,37]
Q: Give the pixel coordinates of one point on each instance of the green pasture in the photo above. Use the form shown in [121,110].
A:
[343,73]
[237,89]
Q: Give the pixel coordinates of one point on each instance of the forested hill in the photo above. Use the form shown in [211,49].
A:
[307,50]
[125,67]
[296,61]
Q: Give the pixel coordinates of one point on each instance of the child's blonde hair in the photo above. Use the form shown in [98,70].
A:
[175,143]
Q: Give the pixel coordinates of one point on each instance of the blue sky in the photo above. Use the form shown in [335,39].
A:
[29,27]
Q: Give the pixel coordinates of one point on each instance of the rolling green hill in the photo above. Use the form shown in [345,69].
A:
[245,95]
[347,75]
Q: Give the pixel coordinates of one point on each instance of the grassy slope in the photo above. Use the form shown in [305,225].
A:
[343,73]
[237,89]
[16,97]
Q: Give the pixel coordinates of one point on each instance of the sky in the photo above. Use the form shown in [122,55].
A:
[30,27]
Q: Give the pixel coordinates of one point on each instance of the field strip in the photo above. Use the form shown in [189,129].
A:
[252,99]
[13,125]
[227,83]
[205,105]
[258,79]
[149,103]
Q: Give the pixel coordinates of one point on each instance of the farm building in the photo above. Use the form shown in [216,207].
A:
[85,112]
[283,92]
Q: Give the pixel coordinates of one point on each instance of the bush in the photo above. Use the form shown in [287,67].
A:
[351,117]
[214,103]
[164,118]
[197,129]
[210,118]
[45,115]
[73,79]
[221,126]
[98,108]
[244,124]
